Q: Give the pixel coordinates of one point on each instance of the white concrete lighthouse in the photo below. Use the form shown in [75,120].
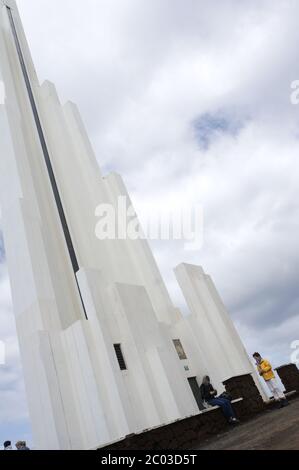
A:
[105,352]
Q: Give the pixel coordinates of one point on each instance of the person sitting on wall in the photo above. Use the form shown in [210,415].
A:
[265,370]
[21,445]
[209,394]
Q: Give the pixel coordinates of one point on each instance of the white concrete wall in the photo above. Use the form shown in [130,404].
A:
[78,396]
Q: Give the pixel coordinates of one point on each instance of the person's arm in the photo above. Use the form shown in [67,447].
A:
[213,392]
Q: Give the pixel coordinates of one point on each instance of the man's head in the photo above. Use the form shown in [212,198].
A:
[7,445]
[206,380]
[20,445]
[257,357]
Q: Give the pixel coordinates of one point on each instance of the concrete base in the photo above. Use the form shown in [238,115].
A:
[182,434]
[189,432]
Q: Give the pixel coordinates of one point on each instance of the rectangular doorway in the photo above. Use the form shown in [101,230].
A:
[196,392]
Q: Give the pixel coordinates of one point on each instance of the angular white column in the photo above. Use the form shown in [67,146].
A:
[78,396]
[214,329]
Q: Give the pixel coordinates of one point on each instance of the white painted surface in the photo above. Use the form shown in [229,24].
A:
[77,394]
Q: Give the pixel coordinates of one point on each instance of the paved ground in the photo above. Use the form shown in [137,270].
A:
[273,430]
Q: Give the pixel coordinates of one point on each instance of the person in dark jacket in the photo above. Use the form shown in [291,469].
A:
[7,445]
[209,394]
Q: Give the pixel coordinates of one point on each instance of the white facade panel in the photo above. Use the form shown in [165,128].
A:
[69,319]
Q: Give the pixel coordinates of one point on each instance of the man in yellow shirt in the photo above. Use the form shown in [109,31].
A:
[265,370]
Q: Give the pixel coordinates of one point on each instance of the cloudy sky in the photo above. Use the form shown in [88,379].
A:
[190,101]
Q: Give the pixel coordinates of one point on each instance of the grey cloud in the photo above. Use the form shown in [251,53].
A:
[141,73]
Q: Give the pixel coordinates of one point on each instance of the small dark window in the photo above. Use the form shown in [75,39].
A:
[179,349]
[120,357]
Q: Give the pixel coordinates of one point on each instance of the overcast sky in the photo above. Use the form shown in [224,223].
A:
[190,101]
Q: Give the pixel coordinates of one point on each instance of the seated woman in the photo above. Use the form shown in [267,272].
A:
[209,394]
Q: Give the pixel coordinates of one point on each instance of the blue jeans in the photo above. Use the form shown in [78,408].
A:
[225,406]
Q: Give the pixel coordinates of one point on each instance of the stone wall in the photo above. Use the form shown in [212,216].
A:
[182,434]
[289,375]
[190,432]
[244,386]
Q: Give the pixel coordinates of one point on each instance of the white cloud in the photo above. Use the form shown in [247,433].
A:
[142,73]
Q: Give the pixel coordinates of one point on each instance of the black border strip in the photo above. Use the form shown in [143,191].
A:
[43,143]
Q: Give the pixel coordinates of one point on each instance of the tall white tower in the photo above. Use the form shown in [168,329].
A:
[105,353]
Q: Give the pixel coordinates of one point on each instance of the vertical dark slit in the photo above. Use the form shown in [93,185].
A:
[43,143]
